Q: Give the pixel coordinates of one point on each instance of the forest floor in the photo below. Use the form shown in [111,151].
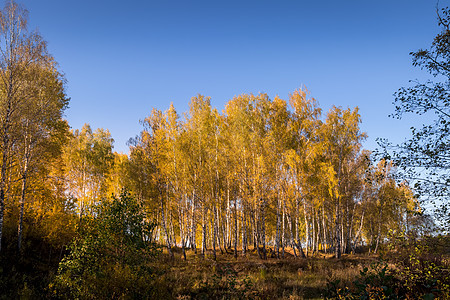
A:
[249,277]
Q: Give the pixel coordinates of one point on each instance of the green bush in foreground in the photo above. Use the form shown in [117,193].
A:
[110,258]
[416,275]
[374,283]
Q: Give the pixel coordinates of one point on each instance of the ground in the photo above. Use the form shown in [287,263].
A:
[250,277]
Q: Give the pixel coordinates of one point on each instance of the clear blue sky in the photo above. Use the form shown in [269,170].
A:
[121,58]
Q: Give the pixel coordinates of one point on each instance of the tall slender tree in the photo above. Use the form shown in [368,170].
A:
[39,122]
[22,54]
[341,141]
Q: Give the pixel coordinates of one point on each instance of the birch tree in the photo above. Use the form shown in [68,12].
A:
[20,52]
[39,122]
[341,142]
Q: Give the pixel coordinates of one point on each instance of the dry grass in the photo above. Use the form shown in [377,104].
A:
[250,277]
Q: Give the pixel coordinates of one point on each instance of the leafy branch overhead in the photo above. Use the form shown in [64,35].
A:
[424,159]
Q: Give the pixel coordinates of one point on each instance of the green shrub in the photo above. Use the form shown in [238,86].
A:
[110,258]
[417,275]
[376,282]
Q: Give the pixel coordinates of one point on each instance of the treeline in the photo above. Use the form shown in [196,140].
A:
[266,172]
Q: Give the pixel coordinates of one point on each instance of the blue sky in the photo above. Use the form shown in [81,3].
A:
[121,58]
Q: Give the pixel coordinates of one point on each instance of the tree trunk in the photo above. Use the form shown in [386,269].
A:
[263,229]
[313,227]
[221,230]
[5,148]
[283,229]
[22,204]
[204,230]
[164,225]
[256,231]
[379,229]
[325,242]
[214,235]
[244,230]
[235,229]
[350,231]
[337,231]
[227,242]
[183,225]
[193,224]
[317,238]
[277,229]
[172,236]
[358,233]
[306,228]
[297,242]
[292,236]
[26,161]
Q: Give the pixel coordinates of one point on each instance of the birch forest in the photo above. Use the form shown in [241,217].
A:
[265,174]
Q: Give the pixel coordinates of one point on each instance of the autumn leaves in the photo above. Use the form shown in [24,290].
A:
[262,172]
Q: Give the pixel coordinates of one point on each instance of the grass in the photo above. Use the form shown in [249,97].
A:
[420,272]
[248,277]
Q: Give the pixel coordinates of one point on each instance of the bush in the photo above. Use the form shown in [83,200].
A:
[110,257]
[376,282]
[419,273]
